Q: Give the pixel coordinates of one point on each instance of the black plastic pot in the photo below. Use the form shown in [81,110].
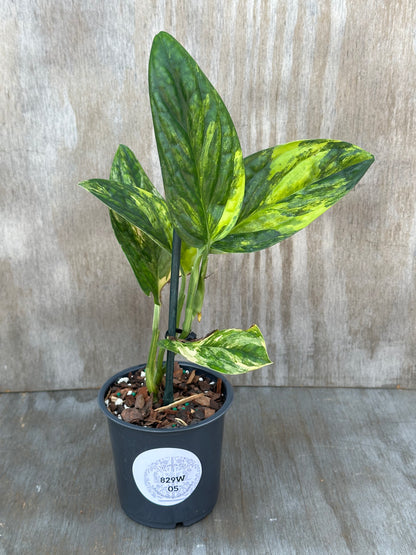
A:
[170,476]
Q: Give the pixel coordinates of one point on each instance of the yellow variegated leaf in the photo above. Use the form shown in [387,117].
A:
[289,186]
[146,210]
[199,151]
[230,351]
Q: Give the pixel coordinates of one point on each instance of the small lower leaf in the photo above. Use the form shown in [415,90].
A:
[230,351]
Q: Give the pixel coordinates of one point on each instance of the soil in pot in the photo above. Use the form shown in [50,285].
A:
[195,399]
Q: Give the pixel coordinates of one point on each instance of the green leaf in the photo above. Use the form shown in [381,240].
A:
[126,169]
[188,257]
[289,186]
[144,209]
[230,351]
[130,194]
[150,263]
[199,150]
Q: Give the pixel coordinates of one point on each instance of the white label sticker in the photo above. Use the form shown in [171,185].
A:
[167,476]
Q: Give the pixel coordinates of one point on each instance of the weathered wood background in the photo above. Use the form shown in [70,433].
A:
[336,302]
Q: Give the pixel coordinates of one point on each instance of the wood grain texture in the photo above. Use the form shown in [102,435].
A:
[336,303]
[307,471]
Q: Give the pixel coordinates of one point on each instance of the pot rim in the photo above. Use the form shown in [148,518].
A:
[187,365]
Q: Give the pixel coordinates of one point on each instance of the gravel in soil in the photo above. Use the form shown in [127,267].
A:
[196,398]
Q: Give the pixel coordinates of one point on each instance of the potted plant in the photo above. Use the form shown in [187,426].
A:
[215,202]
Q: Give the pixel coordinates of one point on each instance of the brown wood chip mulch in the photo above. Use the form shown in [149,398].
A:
[195,399]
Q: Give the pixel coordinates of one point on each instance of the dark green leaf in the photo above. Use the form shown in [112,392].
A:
[199,150]
[146,210]
[126,169]
[150,263]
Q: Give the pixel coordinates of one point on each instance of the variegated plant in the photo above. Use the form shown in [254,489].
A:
[215,200]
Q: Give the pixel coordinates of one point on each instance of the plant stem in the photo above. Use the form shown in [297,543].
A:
[160,369]
[200,292]
[173,307]
[151,374]
[181,298]
[192,288]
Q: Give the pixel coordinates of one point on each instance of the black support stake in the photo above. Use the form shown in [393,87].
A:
[173,308]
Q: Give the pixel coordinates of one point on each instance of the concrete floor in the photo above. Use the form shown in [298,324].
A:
[304,471]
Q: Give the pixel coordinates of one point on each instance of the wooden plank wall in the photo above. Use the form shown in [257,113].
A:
[336,302]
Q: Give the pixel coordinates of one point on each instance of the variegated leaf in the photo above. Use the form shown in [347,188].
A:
[146,210]
[289,186]
[199,151]
[126,169]
[230,351]
[150,263]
